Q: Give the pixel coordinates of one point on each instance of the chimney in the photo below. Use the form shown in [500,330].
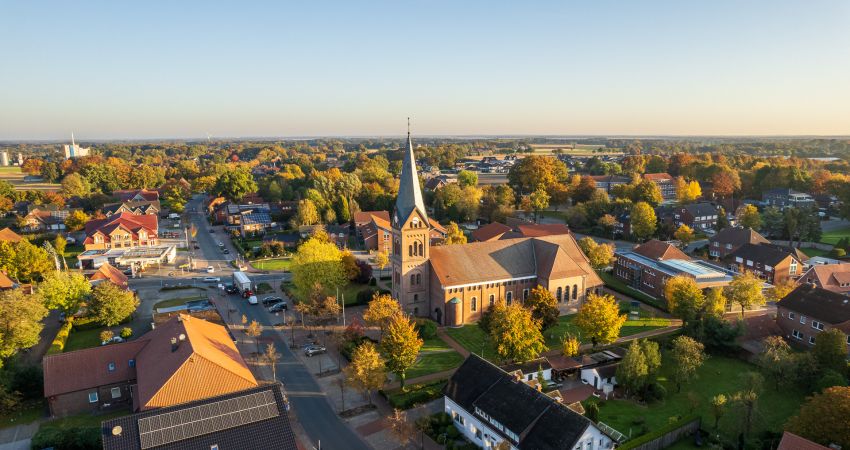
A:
[174,345]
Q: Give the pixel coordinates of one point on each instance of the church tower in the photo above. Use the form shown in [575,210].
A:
[411,240]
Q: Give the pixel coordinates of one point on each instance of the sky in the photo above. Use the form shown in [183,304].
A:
[169,69]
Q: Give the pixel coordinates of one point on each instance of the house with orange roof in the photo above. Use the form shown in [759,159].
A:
[665,183]
[373,228]
[7,235]
[183,360]
[123,230]
[108,272]
[831,277]
[6,282]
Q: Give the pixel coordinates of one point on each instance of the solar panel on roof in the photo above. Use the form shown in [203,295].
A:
[176,426]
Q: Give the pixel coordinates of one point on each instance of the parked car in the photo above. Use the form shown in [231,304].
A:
[315,350]
[278,307]
[210,269]
[128,271]
[197,246]
[226,251]
[252,300]
[231,289]
[271,300]
[221,245]
[212,279]
[113,340]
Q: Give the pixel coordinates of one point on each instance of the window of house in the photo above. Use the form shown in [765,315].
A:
[474,305]
[412,279]
[477,433]
[415,298]
[559,295]
[802,319]
[728,246]
[738,259]
[509,297]
[817,325]
[749,263]
[791,315]
[797,335]
[131,363]
[793,270]
[214,447]
[575,291]
[92,397]
[812,340]
[110,367]
[116,392]
[492,299]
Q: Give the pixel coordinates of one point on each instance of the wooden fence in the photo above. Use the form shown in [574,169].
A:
[665,436]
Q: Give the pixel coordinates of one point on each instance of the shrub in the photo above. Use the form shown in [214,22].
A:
[126,332]
[452,432]
[655,392]
[365,272]
[829,379]
[58,344]
[28,380]
[106,335]
[838,252]
[67,438]
[418,394]
[592,412]
[364,296]
[426,328]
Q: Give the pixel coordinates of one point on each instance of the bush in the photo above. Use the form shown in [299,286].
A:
[106,335]
[426,328]
[417,394]
[452,432]
[592,412]
[829,379]
[365,296]
[126,332]
[67,438]
[655,392]
[365,272]
[838,252]
[28,380]
[655,434]
[58,344]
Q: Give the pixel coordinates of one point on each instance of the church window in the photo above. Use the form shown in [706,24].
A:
[474,305]
[575,291]
[492,299]
[409,250]
[415,298]
[412,279]
[421,249]
[560,294]
[418,279]
[509,297]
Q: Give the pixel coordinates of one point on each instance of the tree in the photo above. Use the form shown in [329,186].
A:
[24,261]
[599,255]
[745,290]
[59,244]
[367,370]
[254,330]
[307,213]
[64,290]
[773,221]
[515,333]
[380,310]
[539,201]
[20,321]
[400,344]
[725,182]
[382,260]
[467,178]
[747,399]
[599,319]
[715,302]
[235,184]
[647,191]
[687,191]
[688,356]
[830,350]
[317,263]
[349,265]
[74,185]
[535,171]
[780,290]
[543,306]
[643,220]
[652,353]
[749,217]
[823,417]
[607,222]
[174,199]
[684,234]
[76,220]
[111,305]
[570,346]
[454,235]
[684,298]
[400,426]
[718,408]
[633,370]
[776,359]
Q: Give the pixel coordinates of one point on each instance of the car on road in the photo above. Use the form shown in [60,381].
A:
[278,307]
[220,245]
[113,340]
[271,300]
[314,350]
[226,251]
[231,289]
[210,269]
[252,300]
[212,231]
[212,279]
[128,271]
[197,246]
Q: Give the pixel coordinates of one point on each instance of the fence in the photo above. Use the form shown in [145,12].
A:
[665,436]
[804,244]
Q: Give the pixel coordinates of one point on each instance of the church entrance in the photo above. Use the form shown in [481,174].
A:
[438,316]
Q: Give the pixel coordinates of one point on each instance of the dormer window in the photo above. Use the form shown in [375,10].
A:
[110,367]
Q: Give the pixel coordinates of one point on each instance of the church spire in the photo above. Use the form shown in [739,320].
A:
[409,193]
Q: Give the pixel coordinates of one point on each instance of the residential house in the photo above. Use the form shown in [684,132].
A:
[374,230]
[831,277]
[497,231]
[808,310]
[698,216]
[136,195]
[338,234]
[6,282]
[122,230]
[791,441]
[730,239]
[606,182]
[768,262]
[7,235]
[455,284]
[665,183]
[157,370]
[132,207]
[648,266]
[786,197]
[490,406]
[44,219]
[248,219]
[528,371]
[434,183]
[602,378]
[623,226]
[108,272]
[255,418]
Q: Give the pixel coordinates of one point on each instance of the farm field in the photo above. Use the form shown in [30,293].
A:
[14,176]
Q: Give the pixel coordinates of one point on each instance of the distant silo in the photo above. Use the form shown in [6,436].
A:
[20,159]
[4,158]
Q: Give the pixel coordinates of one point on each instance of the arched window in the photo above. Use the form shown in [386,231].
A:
[508,297]
[415,298]
[474,306]
[575,291]
[409,250]
[418,279]
[560,294]
[492,300]
[524,294]
[412,279]
[421,249]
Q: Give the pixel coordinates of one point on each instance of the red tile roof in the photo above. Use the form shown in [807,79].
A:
[364,217]
[131,222]
[110,273]
[791,441]
[7,235]
[540,230]
[489,232]
[130,194]
[657,250]
[658,176]
[89,368]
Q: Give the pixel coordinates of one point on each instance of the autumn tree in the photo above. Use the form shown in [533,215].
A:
[382,260]
[467,178]
[380,310]
[688,356]
[400,425]
[515,333]
[823,417]
[76,220]
[317,263]
[570,345]
[633,370]
[745,290]
[684,298]
[533,172]
[543,306]
[539,201]
[367,370]
[687,191]
[599,319]
[830,350]
[780,290]
[20,321]
[75,185]
[272,356]
[64,290]
[307,213]
[254,330]
[24,261]
[643,220]
[725,182]
[607,222]
[715,302]
[454,235]
[599,255]
[718,408]
[684,234]
[349,265]
[749,217]
[776,359]
[400,344]
[235,183]
[111,305]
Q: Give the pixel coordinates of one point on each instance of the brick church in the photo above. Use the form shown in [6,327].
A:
[454,284]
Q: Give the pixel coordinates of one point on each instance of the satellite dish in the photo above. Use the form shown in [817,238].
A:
[182,337]
[116,430]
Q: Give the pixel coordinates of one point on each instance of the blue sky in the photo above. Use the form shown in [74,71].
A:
[239,69]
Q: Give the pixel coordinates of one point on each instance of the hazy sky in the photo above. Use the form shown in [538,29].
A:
[183,69]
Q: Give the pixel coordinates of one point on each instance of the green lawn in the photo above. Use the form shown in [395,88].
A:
[434,343]
[80,339]
[28,412]
[177,301]
[832,237]
[719,375]
[811,252]
[350,291]
[273,264]
[474,339]
[70,255]
[434,362]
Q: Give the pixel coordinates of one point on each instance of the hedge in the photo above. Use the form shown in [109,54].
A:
[58,344]
[643,439]
[415,394]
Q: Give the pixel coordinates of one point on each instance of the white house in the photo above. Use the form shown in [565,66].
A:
[489,405]
[527,371]
[602,378]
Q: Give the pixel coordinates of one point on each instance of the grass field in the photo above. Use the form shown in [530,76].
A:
[832,237]
[811,252]
[434,344]
[573,149]
[349,292]
[80,339]
[434,362]
[177,301]
[273,264]
[474,339]
[718,375]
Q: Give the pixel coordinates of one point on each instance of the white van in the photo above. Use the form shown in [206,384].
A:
[252,300]
[174,216]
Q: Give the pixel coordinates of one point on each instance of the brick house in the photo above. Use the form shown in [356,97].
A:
[665,183]
[374,230]
[730,239]
[768,262]
[699,216]
[606,182]
[648,266]
[832,277]
[809,310]
[785,197]
[122,230]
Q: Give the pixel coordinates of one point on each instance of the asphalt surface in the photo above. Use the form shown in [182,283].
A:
[309,403]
